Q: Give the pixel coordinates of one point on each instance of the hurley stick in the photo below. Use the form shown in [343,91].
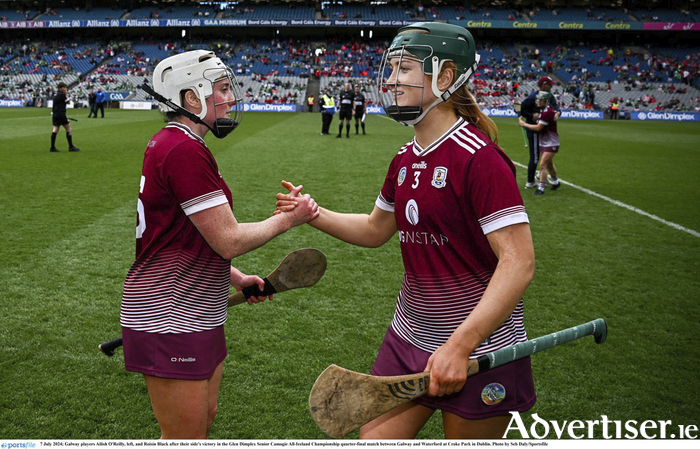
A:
[342,400]
[300,268]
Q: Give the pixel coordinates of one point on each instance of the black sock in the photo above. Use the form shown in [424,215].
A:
[340,129]
[69,136]
[347,128]
[53,140]
[357,128]
[363,126]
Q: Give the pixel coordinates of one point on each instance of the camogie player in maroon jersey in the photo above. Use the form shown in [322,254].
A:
[465,240]
[548,139]
[175,296]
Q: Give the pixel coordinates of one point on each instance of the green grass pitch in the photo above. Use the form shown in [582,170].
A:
[67,233]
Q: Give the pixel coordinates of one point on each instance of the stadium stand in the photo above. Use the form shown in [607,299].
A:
[180,12]
[261,11]
[80,14]
[653,77]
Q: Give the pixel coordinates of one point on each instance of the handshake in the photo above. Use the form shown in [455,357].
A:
[302,208]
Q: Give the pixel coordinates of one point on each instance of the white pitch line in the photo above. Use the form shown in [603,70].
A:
[615,202]
[626,206]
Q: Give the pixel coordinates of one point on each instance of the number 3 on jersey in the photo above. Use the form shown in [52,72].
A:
[416,174]
[141,213]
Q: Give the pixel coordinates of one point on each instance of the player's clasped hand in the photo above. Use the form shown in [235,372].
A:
[448,370]
[287,202]
[302,208]
[241,281]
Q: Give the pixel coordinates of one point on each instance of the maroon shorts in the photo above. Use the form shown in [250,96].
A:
[508,388]
[192,356]
[549,150]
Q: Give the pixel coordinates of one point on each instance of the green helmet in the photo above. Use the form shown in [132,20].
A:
[442,40]
[544,96]
[433,44]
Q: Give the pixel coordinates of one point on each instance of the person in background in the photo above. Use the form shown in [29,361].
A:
[91,103]
[100,98]
[547,138]
[530,112]
[360,105]
[59,118]
[327,106]
[346,109]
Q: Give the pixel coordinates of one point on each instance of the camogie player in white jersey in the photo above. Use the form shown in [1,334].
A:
[176,292]
[451,195]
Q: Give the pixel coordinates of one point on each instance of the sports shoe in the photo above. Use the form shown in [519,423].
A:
[530,185]
[338,136]
[54,150]
[73,149]
[348,136]
[538,192]
[556,186]
[364,133]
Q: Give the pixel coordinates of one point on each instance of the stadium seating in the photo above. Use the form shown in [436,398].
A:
[181,12]
[663,15]
[261,11]
[81,14]
[19,15]
[279,68]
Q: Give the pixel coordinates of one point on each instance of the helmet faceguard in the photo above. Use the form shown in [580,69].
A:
[197,71]
[430,44]
[544,96]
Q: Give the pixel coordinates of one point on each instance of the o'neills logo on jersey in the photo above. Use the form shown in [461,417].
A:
[183,359]
[422,238]
[422,165]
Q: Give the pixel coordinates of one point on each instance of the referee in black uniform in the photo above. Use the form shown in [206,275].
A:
[60,119]
[346,106]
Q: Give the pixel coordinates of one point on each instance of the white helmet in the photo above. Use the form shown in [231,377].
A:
[196,70]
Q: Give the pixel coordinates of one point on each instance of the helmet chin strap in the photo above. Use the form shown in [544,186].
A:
[222,126]
[442,96]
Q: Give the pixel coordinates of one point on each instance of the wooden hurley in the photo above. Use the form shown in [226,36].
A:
[342,400]
[300,268]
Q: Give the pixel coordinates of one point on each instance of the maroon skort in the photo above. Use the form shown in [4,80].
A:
[191,356]
[490,393]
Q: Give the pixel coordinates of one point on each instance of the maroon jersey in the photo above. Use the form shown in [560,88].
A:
[446,198]
[548,137]
[178,283]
